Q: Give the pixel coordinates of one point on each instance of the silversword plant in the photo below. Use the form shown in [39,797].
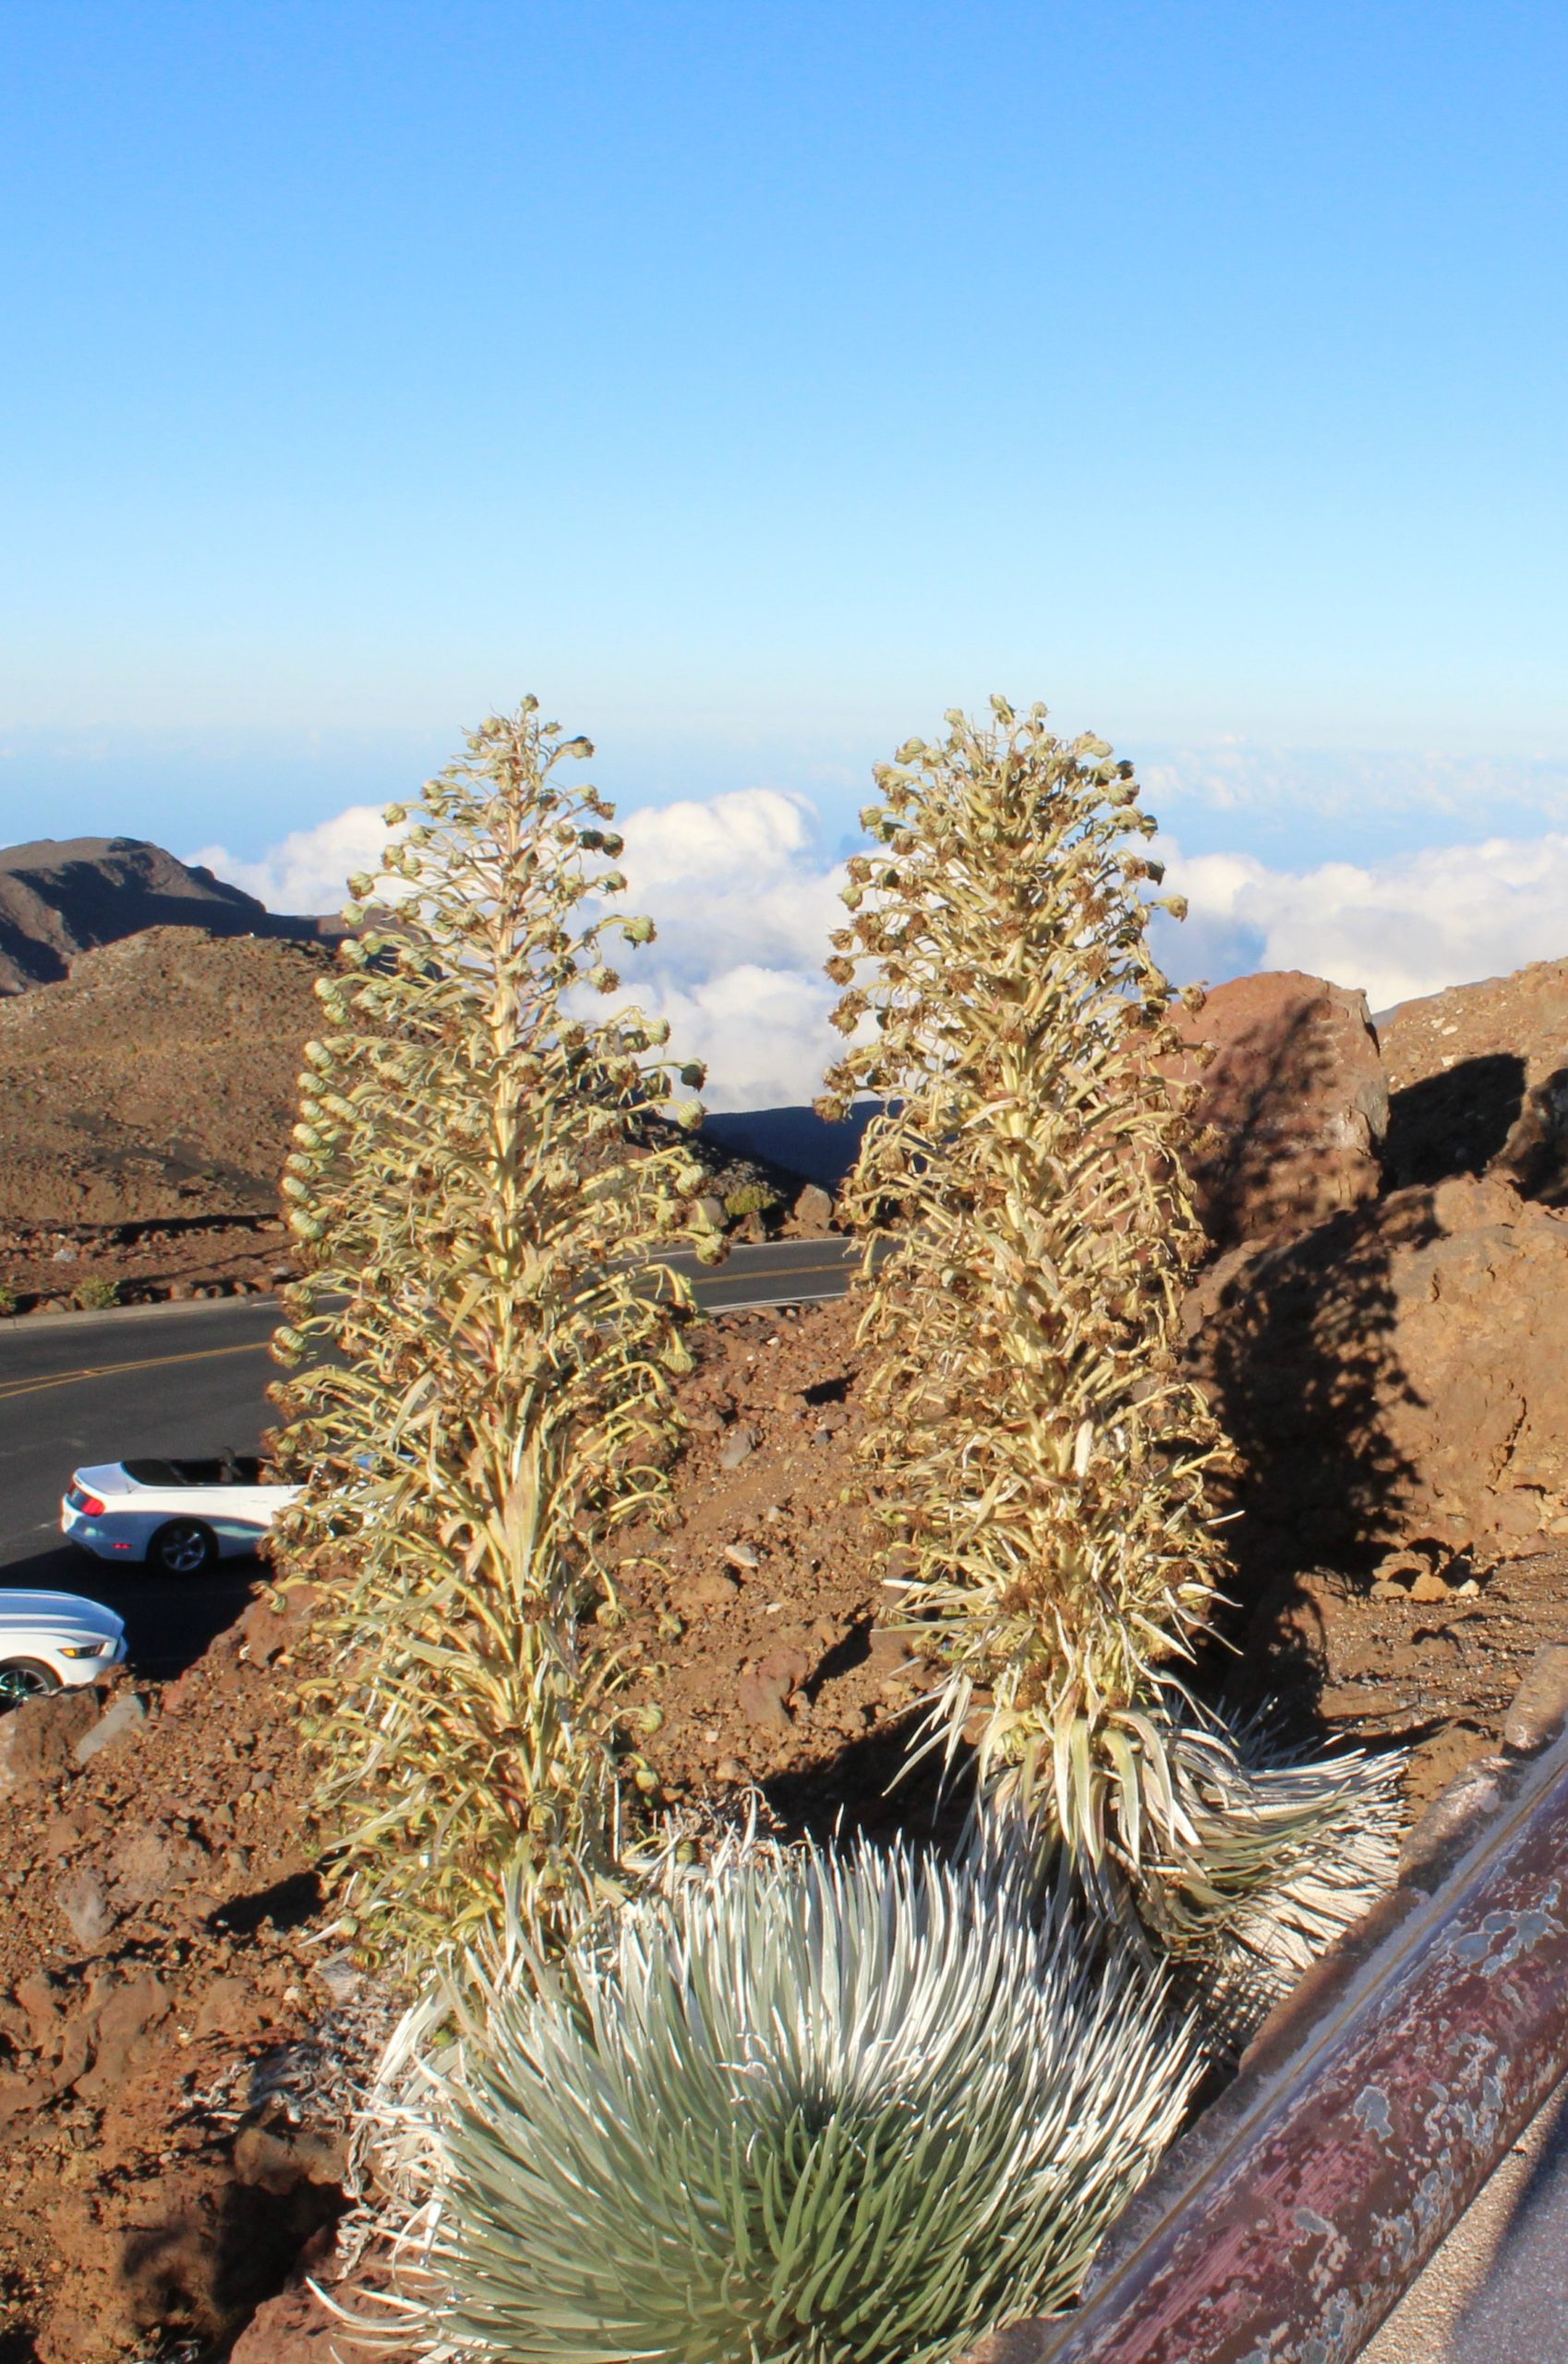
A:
[482,1387]
[1040,1462]
[836,2109]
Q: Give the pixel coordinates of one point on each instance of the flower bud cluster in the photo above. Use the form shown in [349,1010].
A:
[1033,1456]
[479,1388]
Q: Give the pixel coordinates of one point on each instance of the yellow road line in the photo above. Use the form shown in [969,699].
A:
[11,1387]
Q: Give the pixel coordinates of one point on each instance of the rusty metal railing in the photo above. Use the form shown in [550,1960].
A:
[1374,2103]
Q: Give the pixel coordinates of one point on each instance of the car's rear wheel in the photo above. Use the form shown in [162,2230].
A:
[185,1548]
[25,1679]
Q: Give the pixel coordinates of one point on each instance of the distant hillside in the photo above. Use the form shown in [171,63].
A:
[797,1140]
[157,1081]
[64,896]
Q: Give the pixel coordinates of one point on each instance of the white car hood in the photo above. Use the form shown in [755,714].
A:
[60,1612]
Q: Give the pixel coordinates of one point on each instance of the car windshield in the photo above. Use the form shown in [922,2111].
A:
[232,1469]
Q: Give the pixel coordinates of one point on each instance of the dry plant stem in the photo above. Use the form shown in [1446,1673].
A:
[1035,1450]
[484,1376]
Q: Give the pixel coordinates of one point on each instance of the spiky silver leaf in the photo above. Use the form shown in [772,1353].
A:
[817,2109]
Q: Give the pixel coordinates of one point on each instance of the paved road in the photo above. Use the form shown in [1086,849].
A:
[191,1379]
[1497,2290]
[78,1387]
[779,1272]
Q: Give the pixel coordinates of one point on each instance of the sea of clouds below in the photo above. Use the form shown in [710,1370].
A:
[745,898]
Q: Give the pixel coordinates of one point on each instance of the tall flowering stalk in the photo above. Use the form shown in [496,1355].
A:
[482,1388]
[1039,1460]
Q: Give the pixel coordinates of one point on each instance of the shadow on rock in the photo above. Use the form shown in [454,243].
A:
[203,2274]
[1297,1345]
[287,1904]
[1455,1122]
[1292,1107]
[1535,1156]
[1480,1117]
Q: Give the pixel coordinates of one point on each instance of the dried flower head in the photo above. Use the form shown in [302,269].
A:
[1038,1455]
[483,1373]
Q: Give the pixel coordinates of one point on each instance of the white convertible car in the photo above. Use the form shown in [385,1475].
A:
[55,1641]
[179,1516]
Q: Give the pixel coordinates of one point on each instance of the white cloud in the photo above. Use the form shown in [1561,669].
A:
[742,901]
[305,873]
[762,1033]
[735,881]
[1399,929]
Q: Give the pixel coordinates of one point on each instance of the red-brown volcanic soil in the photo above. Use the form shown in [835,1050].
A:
[177,2026]
[149,2195]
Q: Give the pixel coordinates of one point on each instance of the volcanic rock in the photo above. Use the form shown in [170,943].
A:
[84,1900]
[148,1860]
[812,1212]
[276,2156]
[226,2008]
[1478,1079]
[37,1739]
[1398,1372]
[1293,1107]
[117,1722]
[297,2327]
[765,1691]
[711,1591]
[124,2028]
[1428,1587]
[22,2096]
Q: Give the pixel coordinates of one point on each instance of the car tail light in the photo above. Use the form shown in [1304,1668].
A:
[90,1505]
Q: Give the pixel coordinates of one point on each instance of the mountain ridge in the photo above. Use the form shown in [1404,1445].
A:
[61,896]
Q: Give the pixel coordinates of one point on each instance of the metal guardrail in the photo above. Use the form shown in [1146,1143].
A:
[1374,2103]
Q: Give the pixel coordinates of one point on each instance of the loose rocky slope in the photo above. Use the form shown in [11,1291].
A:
[177,2025]
[156,1966]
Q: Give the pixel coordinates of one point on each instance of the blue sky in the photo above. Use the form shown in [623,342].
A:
[757,381]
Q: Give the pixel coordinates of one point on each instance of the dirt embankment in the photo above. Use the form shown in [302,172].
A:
[147,1099]
[168,2146]
[156,1967]
[177,2026]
